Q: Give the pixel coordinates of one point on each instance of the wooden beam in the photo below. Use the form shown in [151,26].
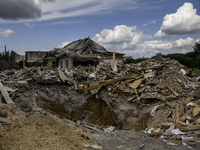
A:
[189,100]
[109,82]
[113,64]
[190,128]
[174,92]
[142,69]
[49,66]
[108,70]
[5,94]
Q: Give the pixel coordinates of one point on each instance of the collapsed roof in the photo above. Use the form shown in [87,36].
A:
[82,47]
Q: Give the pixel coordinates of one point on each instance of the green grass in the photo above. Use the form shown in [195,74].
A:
[195,70]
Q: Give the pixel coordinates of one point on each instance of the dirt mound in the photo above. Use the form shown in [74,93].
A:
[39,131]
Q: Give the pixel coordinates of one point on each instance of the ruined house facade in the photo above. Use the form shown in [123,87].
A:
[82,52]
[35,58]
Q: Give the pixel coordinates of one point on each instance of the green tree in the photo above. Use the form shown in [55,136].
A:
[7,60]
[191,55]
[129,60]
[197,47]
[197,61]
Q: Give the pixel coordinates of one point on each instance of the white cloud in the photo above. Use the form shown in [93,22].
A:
[120,34]
[184,42]
[7,33]
[68,8]
[184,21]
[122,37]
[150,48]
[128,40]
[152,22]
[30,25]
[64,44]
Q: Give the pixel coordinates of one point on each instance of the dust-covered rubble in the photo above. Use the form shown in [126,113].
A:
[159,97]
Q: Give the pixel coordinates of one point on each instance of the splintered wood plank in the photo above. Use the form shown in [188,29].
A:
[186,115]
[142,69]
[179,80]
[190,128]
[196,111]
[113,64]
[131,98]
[62,75]
[174,92]
[182,109]
[136,83]
[189,100]
[109,82]
[136,93]
[5,94]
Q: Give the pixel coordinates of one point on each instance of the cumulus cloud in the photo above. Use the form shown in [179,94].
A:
[150,48]
[120,38]
[7,33]
[184,21]
[20,9]
[130,41]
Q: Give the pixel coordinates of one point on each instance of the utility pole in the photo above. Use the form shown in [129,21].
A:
[5,48]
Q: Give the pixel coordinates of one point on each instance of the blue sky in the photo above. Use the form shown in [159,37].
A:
[134,27]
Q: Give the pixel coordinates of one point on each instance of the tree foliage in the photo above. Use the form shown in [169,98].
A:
[7,60]
[197,47]
[190,59]
[130,59]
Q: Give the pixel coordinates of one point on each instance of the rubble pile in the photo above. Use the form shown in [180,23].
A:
[38,75]
[159,96]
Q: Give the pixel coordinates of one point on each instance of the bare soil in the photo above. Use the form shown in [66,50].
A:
[39,131]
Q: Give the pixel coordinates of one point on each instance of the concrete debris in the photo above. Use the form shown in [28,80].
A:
[109,129]
[142,146]
[92,128]
[187,139]
[5,121]
[152,113]
[177,131]
[171,143]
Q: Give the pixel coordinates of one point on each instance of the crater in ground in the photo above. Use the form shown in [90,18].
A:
[93,110]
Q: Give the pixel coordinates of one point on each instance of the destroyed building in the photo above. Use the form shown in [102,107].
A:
[18,57]
[34,58]
[81,52]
